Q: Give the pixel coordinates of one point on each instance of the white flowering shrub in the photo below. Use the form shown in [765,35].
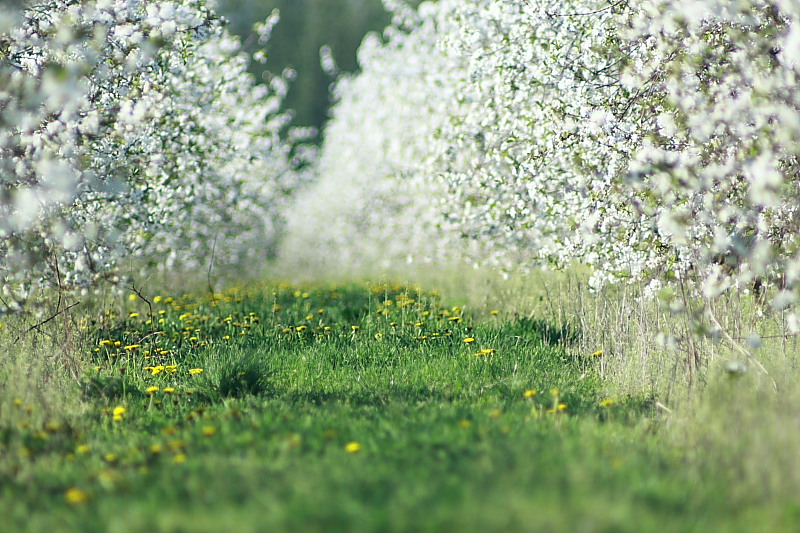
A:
[656,141]
[718,174]
[130,128]
[375,203]
[543,148]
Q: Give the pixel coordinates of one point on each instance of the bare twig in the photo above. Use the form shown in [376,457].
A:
[45,321]
[663,407]
[781,336]
[138,293]
[588,13]
[741,349]
[210,266]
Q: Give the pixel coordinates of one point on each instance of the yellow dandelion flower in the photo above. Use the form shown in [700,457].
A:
[169,390]
[156,370]
[76,496]
[156,449]
[157,299]
[132,297]
[302,328]
[110,457]
[209,431]
[562,406]
[554,392]
[495,312]
[179,458]
[530,393]
[464,424]
[485,351]
[132,347]
[171,368]
[598,353]
[355,328]
[133,315]
[119,411]
[106,342]
[83,449]
[151,390]
[608,402]
[194,371]
[469,340]
[352,447]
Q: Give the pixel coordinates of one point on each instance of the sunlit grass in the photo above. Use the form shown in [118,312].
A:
[352,407]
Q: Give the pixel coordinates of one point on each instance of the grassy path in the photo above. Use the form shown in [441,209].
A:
[348,409]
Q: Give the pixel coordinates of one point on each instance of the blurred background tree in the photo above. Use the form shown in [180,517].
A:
[304,27]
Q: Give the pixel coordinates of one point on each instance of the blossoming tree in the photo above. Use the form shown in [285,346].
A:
[655,141]
[132,129]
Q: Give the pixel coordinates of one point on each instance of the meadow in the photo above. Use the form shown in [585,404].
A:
[354,407]
[599,200]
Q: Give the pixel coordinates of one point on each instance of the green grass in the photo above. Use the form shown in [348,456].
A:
[507,432]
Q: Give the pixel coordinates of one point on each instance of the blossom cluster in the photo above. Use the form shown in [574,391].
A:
[655,141]
[131,129]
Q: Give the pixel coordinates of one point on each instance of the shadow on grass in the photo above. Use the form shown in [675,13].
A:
[246,376]
[627,410]
[631,410]
[108,387]
[410,395]
[537,329]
